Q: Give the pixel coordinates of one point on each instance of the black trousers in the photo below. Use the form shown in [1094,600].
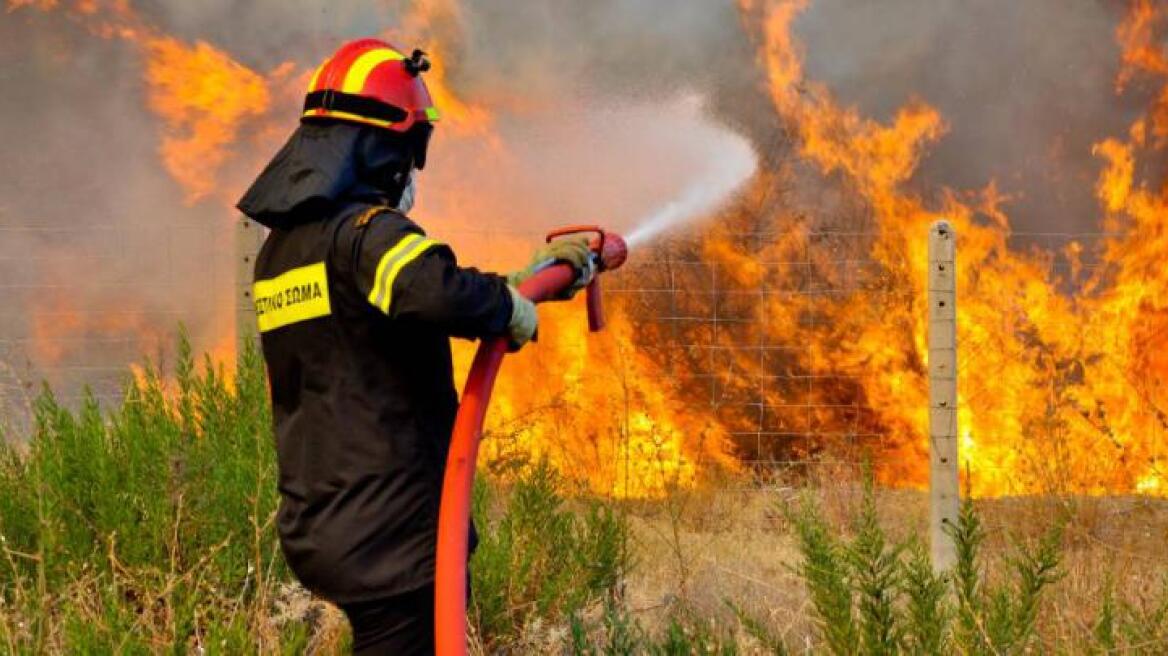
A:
[402,624]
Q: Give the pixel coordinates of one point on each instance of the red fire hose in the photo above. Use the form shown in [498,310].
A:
[454,514]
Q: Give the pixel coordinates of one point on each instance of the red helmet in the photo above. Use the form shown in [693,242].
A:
[369,81]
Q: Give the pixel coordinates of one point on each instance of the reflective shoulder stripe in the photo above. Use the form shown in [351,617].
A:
[361,68]
[405,251]
[291,297]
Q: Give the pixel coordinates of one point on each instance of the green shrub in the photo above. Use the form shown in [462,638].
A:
[540,559]
[824,571]
[147,528]
[871,596]
[146,525]
[927,609]
[618,632]
[876,573]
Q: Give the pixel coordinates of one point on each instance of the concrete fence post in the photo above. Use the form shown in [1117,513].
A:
[249,235]
[944,487]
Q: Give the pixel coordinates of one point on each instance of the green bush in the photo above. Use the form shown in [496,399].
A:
[147,528]
[540,559]
[148,525]
[871,596]
[618,632]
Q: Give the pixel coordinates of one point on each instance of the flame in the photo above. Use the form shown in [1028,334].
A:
[1143,55]
[438,25]
[205,101]
[599,412]
[43,5]
[204,98]
[61,331]
[1056,393]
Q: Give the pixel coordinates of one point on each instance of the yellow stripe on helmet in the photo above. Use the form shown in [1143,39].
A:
[316,76]
[359,72]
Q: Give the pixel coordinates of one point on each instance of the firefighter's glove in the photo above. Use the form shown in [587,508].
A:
[572,250]
[524,320]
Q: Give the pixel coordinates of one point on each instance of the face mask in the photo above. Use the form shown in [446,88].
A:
[407,198]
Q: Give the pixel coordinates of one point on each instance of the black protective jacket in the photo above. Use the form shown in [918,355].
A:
[355,310]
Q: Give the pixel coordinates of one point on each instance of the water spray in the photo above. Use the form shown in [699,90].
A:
[609,252]
[733,168]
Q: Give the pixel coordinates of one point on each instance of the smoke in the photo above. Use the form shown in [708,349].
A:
[726,170]
[1026,88]
[600,111]
[98,255]
[607,109]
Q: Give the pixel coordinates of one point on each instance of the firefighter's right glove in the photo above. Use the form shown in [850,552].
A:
[524,320]
[573,250]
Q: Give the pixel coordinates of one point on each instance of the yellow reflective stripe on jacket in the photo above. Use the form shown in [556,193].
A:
[405,251]
[291,297]
[361,68]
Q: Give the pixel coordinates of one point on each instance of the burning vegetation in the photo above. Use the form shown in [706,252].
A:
[787,326]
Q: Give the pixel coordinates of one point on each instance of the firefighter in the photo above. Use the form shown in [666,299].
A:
[356,305]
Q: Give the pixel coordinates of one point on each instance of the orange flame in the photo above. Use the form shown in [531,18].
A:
[203,97]
[1056,393]
[598,411]
[602,417]
[438,25]
[1144,55]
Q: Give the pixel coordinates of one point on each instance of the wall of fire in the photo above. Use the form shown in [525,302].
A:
[786,326]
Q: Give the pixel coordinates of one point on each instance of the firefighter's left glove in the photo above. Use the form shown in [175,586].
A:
[524,320]
[572,250]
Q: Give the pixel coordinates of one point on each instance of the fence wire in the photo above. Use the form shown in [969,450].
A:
[82,302]
[86,301]
[716,338]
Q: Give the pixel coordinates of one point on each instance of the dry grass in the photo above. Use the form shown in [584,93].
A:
[702,548]
[102,550]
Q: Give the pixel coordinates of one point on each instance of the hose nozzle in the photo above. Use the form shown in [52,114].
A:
[611,251]
[609,247]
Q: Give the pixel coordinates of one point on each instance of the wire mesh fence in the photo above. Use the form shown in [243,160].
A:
[733,349]
[719,340]
[86,301]
[82,302]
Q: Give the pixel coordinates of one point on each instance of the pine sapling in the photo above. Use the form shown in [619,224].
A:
[968,535]
[927,608]
[875,579]
[824,571]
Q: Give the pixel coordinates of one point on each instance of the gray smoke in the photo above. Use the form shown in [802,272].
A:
[89,215]
[630,50]
[1026,88]
[94,235]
